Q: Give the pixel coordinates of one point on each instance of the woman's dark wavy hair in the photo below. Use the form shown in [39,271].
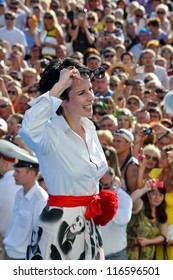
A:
[51,75]
[161,215]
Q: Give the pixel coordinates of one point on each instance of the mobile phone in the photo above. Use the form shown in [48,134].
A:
[159,184]
[147,130]
[153,103]
[130,82]
[140,158]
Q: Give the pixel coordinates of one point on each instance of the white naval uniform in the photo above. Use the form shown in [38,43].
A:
[27,209]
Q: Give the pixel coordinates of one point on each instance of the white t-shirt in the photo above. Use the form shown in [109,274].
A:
[13,36]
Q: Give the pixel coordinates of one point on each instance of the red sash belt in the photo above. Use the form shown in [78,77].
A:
[101,207]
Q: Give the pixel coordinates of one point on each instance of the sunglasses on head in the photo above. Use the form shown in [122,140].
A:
[87,73]
[13,92]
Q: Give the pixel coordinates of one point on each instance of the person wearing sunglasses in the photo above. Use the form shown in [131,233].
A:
[109,54]
[10,33]
[57,128]
[6,107]
[149,161]
[14,91]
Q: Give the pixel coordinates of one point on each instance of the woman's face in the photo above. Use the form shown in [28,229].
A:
[151,159]
[155,198]
[13,93]
[123,122]
[81,97]
[31,23]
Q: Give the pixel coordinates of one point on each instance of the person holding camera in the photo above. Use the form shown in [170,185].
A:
[83,36]
[71,160]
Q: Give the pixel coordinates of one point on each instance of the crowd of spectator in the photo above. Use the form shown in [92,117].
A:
[133,41]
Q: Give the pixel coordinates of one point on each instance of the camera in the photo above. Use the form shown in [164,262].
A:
[153,103]
[130,82]
[158,184]
[147,130]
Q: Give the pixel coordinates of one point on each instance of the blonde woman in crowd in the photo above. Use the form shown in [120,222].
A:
[51,34]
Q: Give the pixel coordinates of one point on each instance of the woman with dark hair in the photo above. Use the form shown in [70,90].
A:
[148,225]
[71,159]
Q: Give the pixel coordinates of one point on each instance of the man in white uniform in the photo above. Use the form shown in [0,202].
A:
[8,187]
[29,203]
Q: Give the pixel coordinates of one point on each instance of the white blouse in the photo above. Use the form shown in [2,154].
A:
[68,165]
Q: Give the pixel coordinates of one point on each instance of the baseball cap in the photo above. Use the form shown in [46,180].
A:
[126,134]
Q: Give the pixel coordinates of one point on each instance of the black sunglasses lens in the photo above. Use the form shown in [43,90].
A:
[84,73]
[99,73]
